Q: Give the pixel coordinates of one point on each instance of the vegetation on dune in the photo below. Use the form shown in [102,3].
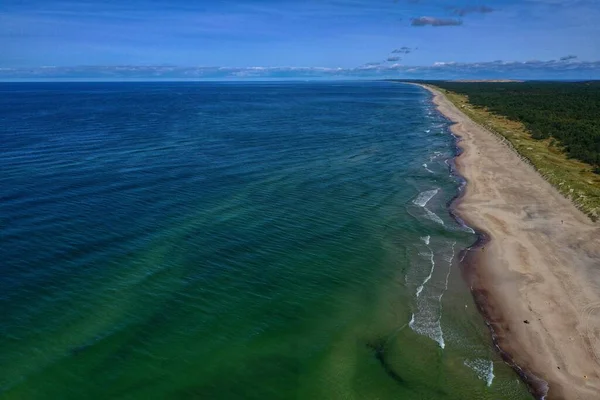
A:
[555,126]
[568,112]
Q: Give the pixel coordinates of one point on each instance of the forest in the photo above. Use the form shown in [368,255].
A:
[568,112]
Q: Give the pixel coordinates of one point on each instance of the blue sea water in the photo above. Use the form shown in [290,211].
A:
[227,240]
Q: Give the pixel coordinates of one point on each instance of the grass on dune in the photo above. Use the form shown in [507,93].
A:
[574,179]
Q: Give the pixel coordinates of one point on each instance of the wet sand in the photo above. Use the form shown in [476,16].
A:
[536,276]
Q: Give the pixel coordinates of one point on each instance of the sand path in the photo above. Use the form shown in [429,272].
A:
[540,273]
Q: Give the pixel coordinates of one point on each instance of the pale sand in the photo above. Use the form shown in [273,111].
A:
[542,263]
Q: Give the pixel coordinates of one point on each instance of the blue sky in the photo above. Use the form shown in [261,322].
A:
[234,39]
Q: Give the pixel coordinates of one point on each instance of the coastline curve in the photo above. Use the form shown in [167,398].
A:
[498,285]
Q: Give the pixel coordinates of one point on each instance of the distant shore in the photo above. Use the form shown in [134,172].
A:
[536,274]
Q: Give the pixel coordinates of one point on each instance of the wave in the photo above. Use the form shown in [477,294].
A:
[483,368]
[427,168]
[428,311]
[424,197]
[424,323]
[420,288]
[469,229]
[433,216]
[436,154]
[449,260]
[426,319]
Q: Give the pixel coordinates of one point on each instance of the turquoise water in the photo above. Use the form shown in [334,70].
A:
[234,241]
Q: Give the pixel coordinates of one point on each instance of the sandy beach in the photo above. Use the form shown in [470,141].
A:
[537,277]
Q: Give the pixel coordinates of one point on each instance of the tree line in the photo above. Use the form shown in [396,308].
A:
[568,112]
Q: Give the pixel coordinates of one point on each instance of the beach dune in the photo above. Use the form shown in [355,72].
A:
[536,278]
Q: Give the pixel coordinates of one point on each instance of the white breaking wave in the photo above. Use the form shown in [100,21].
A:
[427,168]
[420,288]
[468,229]
[435,155]
[442,343]
[427,315]
[433,216]
[424,197]
[425,320]
[447,277]
[465,254]
[449,259]
[464,226]
[449,269]
[483,368]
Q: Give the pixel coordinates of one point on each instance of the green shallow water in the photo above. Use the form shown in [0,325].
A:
[225,241]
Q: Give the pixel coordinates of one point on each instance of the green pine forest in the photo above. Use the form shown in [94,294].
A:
[565,112]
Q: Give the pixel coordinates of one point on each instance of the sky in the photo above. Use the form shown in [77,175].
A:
[256,39]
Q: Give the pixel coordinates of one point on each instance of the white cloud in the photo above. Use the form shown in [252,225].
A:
[536,69]
[432,21]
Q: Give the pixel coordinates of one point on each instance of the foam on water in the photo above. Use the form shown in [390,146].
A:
[435,155]
[423,326]
[465,254]
[450,259]
[424,197]
[433,216]
[420,288]
[463,225]
[428,311]
[427,168]
[483,368]
[468,229]
[426,319]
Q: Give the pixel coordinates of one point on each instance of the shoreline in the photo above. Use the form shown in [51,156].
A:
[468,264]
[534,279]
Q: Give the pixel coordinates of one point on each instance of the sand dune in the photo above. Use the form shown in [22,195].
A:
[537,279]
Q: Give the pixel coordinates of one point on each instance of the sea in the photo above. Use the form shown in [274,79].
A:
[260,240]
